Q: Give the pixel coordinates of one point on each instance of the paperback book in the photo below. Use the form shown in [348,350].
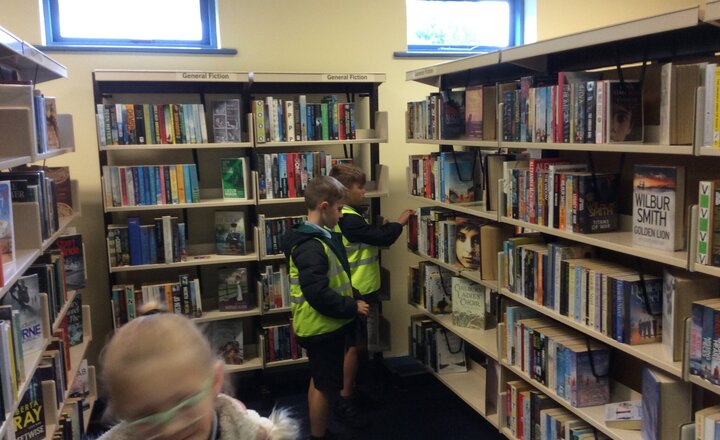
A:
[233,291]
[468,300]
[226,338]
[73,253]
[227,120]
[659,206]
[230,232]
[624,111]
[24,296]
[29,417]
[7,232]
[234,178]
[450,352]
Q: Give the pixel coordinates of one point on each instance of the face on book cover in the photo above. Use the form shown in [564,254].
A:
[170,403]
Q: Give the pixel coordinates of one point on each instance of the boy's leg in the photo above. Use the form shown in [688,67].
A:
[346,408]
[318,408]
[350,369]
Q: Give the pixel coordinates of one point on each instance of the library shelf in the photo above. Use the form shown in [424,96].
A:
[431,75]
[64,222]
[473,208]
[127,75]
[63,311]
[708,151]
[276,311]
[273,257]
[620,241]
[216,315]
[250,364]
[706,384]
[304,144]
[285,362]
[204,203]
[193,260]
[707,270]
[491,144]
[507,432]
[710,12]
[685,150]
[470,386]
[29,61]
[12,272]
[470,274]
[653,354]
[594,415]
[201,146]
[484,340]
[14,161]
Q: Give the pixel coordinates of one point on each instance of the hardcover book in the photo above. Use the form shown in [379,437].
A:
[624,112]
[460,179]
[24,296]
[467,242]
[226,339]
[7,231]
[450,353]
[452,114]
[235,176]
[659,206]
[227,120]
[643,310]
[233,291]
[438,290]
[73,253]
[230,232]
[468,300]
[661,413]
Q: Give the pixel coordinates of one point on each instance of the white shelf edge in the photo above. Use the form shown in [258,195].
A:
[64,222]
[254,363]
[285,362]
[101,75]
[465,208]
[202,146]
[195,260]
[210,203]
[216,315]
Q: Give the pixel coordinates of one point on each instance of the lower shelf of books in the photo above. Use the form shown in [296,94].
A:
[484,340]
[653,354]
[593,415]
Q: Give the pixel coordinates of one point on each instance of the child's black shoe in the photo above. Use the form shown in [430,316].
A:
[348,411]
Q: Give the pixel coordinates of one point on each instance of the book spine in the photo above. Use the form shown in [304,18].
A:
[705,222]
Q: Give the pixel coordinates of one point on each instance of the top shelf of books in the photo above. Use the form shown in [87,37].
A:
[30,63]
[608,46]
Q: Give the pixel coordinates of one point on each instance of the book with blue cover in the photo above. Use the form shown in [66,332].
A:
[459,176]
[7,230]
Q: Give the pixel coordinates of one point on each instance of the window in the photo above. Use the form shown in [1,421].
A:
[463,26]
[131,24]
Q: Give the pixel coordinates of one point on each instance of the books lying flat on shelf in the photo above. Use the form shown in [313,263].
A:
[468,299]
[235,178]
[227,120]
[233,291]
[230,232]
[659,207]
[623,415]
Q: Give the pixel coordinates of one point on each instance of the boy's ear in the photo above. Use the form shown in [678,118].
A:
[323,205]
[218,377]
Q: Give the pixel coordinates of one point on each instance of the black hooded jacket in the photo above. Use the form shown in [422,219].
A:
[312,263]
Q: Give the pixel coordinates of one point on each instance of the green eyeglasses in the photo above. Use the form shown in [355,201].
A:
[161,418]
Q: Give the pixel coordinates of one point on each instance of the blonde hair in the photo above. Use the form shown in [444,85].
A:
[323,189]
[348,174]
[161,337]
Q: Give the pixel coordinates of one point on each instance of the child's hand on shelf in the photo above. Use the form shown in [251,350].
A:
[405,216]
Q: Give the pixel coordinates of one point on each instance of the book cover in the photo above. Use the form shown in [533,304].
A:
[234,178]
[226,338]
[474,112]
[74,321]
[52,127]
[624,415]
[597,202]
[643,310]
[452,114]
[29,417]
[81,386]
[438,290]
[661,414]
[459,180]
[233,290]
[468,299]
[73,253]
[624,111]
[658,206]
[467,242]
[7,230]
[230,232]
[24,296]
[450,353]
[227,120]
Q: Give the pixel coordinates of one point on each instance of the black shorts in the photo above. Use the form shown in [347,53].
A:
[326,359]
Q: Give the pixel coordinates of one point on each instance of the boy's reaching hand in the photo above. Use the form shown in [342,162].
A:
[404,217]
[362,307]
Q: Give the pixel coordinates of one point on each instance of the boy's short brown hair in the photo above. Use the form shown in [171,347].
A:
[348,174]
[323,189]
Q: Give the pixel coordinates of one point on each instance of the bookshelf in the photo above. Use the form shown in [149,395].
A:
[680,36]
[21,147]
[198,87]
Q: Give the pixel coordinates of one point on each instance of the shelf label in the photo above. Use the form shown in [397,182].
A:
[208,76]
[348,77]
[424,72]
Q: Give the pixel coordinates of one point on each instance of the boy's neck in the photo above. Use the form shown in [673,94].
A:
[315,218]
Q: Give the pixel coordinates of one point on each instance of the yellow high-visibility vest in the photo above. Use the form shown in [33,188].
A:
[364,261]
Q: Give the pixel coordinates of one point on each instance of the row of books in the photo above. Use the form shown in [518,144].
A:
[532,415]
[150,185]
[281,343]
[455,114]
[681,110]
[708,225]
[705,339]
[133,124]
[278,120]
[567,362]
[707,423]
[182,297]
[436,347]
[463,241]
[282,175]
[39,110]
[450,177]
[274,286]
[273,229]
[135,244]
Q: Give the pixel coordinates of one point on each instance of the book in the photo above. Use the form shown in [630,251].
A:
[597,206]
[678,84]
[438,290]
[29,417]
[468,299]
[680,290]
[624,415]
[235,177]
[24,296]
[233,290]
[230,232]
[7,230]
[52,128]
[624,111]
[73,321]
[459,176]
[708,204]
[474,112]
[467,242]
[450,354]
[661,413]
[73,253]
[452,114]
[226,339]
[659,206]
[642,309]
[227,120]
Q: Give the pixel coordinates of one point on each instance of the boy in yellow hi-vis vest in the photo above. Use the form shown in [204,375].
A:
[362,242]
[322,300]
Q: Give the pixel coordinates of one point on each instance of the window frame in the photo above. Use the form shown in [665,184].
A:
[208,42]
[515,36]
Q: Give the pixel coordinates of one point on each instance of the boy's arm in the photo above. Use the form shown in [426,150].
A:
[312,265]
[357,230]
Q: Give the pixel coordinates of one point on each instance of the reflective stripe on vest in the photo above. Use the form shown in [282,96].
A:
[364,261]
[306,320]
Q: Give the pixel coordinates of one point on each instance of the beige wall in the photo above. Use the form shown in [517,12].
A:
[281,35]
